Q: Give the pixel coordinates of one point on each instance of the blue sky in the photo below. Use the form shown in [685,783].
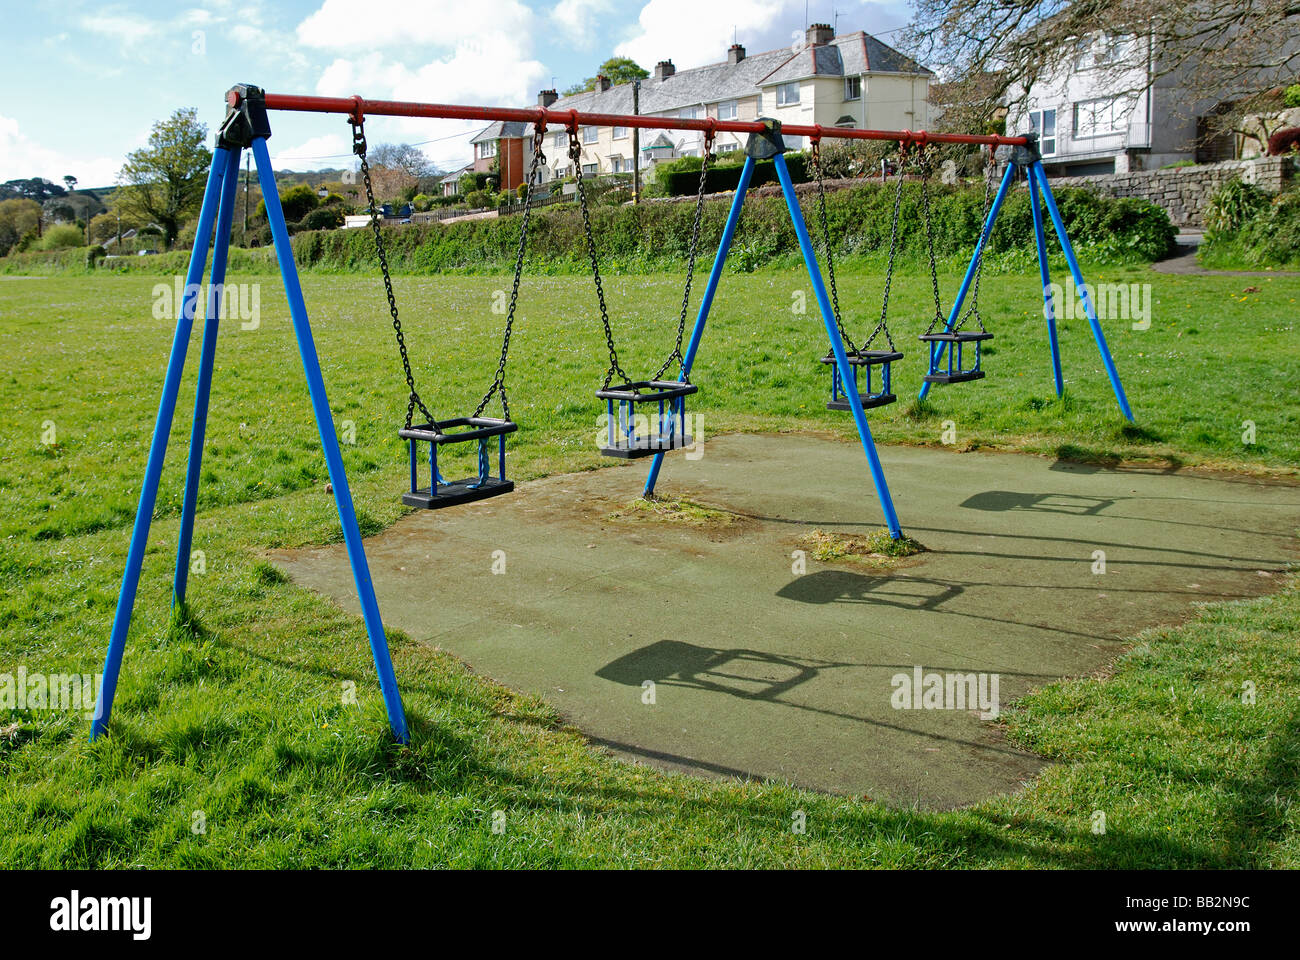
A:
[85,81]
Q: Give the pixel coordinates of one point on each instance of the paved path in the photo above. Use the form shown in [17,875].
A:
[762,672]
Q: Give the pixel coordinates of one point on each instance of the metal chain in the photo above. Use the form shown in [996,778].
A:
[575,155]
[883,325]
[974,309]
[816,156]
[499,382]
[413,400]
[926,170]
[690,265]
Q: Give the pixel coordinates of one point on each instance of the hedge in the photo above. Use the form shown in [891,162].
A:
[727,176]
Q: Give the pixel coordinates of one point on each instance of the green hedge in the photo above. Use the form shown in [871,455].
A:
[655,235]
[678,183]
[1253,229]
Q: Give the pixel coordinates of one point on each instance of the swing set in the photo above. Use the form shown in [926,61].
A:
[861,376]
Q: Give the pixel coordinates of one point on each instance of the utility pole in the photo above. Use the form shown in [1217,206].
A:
[636,144]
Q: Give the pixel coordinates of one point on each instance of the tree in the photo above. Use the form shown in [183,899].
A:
[18,217]
[997,51]
[33,188]
[70,182]
[401,156]
[164,181]
[616,69]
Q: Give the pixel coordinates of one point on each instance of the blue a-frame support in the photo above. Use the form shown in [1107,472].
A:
[1027,159]
[243,129]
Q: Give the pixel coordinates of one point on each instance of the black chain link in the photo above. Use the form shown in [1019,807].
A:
[974,309]
[816,156]
[575,155]
[690,265]
[926,171]
[883,325]
[413,400]
[499,382]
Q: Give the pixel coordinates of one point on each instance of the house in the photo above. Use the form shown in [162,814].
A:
[1110,107]
[853,80]
[451,183]
[500,149]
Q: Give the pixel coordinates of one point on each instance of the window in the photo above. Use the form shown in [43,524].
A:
[561,139]
[590,169]
[690,113]
[1097,118]
[852,88]
[787,94]
[727,110]
[620,133]
[1043,123]
[590,134]
[727,147]
[616,164]
[488,148]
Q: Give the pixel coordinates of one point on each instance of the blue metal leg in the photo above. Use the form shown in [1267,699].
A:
[330,444]
[937,349]
[1044,272]
[207,357]
[849,382]
[1036,171]
[158,448]
[706,302]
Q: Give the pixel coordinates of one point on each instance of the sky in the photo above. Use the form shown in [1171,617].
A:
[86,81]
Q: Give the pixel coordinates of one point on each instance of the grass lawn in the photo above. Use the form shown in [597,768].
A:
[237,713]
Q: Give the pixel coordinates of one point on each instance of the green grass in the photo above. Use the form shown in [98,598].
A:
[238,710]
[876,549]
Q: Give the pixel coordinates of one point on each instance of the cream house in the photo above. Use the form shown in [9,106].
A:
[852,80]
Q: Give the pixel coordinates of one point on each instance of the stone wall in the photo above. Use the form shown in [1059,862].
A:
[1184,191]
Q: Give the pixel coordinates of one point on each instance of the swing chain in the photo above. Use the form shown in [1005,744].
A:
[575,155]
[499,382]
[926,171]
[690,265]
[990,175]
[816,157]
[883,325]
[359,148]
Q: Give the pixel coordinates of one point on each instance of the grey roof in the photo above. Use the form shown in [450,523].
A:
[502,129]
[659,142]
[846,56]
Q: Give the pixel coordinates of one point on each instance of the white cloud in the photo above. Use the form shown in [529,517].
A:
[330,150]
[577,18]
[21,157]
[380,24]
[691,33]
[127,29]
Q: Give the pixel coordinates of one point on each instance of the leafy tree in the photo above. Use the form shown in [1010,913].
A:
[164,181]
[18,217]
[33,188]
[400,156]
[70,182]
[617,69]
[63,237]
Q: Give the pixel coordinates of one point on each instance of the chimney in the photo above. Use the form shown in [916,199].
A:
[664,69]
[735,53]
[818,34]
[547,97]
[602,82]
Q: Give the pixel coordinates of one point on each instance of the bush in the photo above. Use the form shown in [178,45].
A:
[479,198]
[1254,231]
[683,177]
[322,218]
[1292,95]
[1234,204]
[62,238]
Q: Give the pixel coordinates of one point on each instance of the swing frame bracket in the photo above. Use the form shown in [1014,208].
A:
[245,118]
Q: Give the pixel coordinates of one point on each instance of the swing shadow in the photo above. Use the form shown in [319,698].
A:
[1078,505]
[746,674]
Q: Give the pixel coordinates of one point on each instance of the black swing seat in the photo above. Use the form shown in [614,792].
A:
[956,338]
[457,430]
[623,437]
[861,358]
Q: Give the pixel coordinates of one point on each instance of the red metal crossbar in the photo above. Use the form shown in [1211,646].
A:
[357,108]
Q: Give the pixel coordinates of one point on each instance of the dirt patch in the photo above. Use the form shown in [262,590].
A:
[876,550]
